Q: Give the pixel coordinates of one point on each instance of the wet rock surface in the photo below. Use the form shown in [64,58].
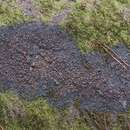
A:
[42,60]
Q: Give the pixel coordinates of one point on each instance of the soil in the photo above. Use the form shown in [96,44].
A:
[42,60]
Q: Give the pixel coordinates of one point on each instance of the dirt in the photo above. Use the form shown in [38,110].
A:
[42,60]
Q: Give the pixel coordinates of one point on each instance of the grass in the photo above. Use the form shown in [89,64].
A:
[10,13]
[104,22]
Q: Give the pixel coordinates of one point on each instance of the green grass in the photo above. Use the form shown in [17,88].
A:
[10,13]
[103,23]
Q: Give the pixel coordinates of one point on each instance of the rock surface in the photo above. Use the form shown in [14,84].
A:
[42,60]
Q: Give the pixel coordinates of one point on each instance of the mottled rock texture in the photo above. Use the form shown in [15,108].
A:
[42,60]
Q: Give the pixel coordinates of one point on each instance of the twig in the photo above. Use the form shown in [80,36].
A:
[115,56]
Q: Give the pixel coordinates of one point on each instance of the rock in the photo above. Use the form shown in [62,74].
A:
[42,60]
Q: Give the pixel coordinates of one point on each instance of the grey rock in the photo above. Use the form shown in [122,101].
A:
[42,60]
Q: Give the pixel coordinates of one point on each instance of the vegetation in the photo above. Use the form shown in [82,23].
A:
[18,114]
[104,22]
[10,13]
[49,8]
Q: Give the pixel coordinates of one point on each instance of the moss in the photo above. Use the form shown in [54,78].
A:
[18,114]
[11,110]
[104,23]
[10,13]
[41,114]
[49,8]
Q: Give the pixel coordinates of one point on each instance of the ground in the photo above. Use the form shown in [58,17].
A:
[43,54]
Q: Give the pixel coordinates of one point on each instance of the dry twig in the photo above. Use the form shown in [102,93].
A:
[115,56]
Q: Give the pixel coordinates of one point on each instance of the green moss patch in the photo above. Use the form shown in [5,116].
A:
[105,22]
[18,114]
[49,8]
[10,13]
